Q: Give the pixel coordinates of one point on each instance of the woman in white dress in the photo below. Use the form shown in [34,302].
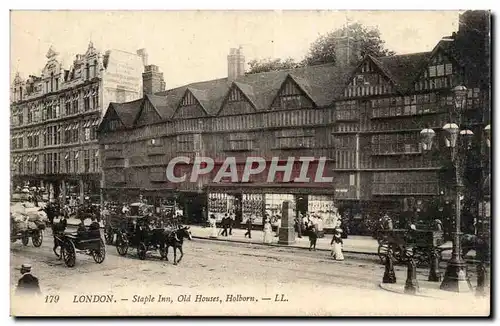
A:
[213,226]
[267,232]
[337,244]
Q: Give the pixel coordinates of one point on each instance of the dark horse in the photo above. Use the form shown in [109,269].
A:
[52,210]
[175,239]
[57,231]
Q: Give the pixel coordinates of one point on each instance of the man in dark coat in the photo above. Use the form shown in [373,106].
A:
[249,227]
[225,224]
[27,284]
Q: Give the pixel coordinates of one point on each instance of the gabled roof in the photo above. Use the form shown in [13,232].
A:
[322,83]
[202,97]
[160,103]
[402,69]
[127,112]
[248,91]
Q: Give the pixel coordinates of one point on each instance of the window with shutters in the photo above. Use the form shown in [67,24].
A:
[295,138]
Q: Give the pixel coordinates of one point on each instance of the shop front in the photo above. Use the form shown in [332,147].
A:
[256,202]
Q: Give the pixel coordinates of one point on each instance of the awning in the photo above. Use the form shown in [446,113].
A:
[96,153]
[29,159]
[35,158]
[66,157]
[96,122]
[87,124]
[68,127]
[75,126]
[37,132]
[76,155]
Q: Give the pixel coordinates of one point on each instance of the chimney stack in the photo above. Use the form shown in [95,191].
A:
[144,55]
[235,63]
[152,80]
[347,51]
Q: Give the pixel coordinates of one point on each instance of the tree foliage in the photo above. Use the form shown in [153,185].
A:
[269,64]
[366,41]
[323,50]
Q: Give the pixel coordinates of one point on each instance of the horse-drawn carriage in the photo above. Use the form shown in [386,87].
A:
[139,234]
[86,240]
[420,244]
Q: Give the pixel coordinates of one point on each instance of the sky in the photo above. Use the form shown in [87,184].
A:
[191,46]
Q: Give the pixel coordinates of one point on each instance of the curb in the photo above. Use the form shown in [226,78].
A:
[385,288]
[280,245]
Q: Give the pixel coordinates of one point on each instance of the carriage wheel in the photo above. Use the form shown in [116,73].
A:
[141,251]
[108,237]
[68,253]
[37,238]
[121,245]
[99,254]
[25,239]
[382,252]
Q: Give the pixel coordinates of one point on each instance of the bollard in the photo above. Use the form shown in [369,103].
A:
[411,286]
[434,274]
[389,275]
[481,276]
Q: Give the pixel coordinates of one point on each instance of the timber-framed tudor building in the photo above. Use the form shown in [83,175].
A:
[366,119]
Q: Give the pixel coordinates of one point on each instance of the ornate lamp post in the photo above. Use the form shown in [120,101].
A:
[455,278]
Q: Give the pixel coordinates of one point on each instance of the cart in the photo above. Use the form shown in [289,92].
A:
[418,244]
[87,242]
[136,234]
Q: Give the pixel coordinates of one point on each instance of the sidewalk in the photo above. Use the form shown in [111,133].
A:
[357,244]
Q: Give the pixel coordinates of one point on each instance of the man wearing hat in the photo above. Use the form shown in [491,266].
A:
[28,284]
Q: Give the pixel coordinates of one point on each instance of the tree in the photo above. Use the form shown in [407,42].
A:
[366,39]
[265,65]
[323,50]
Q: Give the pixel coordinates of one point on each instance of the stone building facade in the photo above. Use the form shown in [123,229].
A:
[55,116]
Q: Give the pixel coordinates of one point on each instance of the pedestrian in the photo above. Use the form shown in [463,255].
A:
[213,226]
[28,284]
[249,227]
[278,225]
[224,224]
[313,236]
[336,244]
[267,231]
[231,221]
[298,225]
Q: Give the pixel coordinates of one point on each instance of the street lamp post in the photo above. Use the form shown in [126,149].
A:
[455,278]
